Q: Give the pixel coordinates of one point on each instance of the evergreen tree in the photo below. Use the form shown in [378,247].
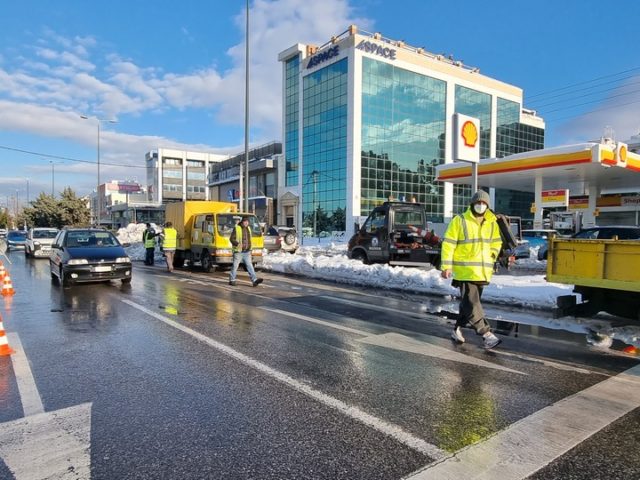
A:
[74,210]
[44,212]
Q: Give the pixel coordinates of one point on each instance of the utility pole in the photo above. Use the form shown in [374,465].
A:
[246,115]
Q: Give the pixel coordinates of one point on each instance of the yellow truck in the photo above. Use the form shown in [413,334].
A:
[204,228]
[606,273]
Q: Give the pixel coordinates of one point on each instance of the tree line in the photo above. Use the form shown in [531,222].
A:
[47,211]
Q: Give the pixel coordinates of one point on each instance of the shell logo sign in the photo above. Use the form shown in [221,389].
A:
[621,154]
[466,146]
[469,134]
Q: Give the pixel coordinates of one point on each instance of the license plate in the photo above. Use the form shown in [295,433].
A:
[102,269]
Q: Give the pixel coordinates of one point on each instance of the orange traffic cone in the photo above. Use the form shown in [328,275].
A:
[7,286]
[5,349]
[631,350]
[3,271]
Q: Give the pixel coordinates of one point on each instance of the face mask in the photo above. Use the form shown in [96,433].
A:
[479,208]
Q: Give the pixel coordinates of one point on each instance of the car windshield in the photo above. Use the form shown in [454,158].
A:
[45,233]
[91,239]
[17,236]
[226,223]
[403,219]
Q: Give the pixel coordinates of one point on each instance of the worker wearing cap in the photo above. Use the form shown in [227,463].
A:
[470,248]
[241,242]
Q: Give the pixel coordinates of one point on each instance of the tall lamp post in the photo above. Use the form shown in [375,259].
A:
[246,116]
[52,177]
[98,197]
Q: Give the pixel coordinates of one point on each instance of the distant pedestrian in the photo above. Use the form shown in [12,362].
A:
[148,237]
[241,242]
[470,248]
[169,244]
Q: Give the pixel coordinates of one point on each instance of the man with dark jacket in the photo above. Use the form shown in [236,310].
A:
[241,241]
[148,237]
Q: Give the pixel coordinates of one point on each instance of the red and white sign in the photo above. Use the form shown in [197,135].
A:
[466,138]
[555,198]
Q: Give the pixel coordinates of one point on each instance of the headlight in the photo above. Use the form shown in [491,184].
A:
[36,243]
[78,261]
[123,260]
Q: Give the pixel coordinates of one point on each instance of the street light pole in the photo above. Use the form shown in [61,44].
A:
[52,178]
[246,115]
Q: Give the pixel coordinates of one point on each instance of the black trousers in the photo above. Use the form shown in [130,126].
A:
[148,259]
[470,307]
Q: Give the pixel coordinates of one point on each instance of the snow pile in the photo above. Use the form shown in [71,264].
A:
[131,234]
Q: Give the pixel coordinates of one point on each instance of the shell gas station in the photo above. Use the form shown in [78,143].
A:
[595,179]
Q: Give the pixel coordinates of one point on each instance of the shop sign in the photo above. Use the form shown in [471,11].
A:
[555,198]
[370,47]
[323,56]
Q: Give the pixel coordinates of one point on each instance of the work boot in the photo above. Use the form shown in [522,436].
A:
[257,282]
[456,335]
[232,283]
[491,341]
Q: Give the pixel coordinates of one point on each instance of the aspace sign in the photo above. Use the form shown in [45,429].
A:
[323,56]
[371,47]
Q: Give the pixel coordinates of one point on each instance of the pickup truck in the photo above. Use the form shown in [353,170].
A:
[396,233]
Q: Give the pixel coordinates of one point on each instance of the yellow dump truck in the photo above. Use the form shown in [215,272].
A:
[204,228]
[606,273]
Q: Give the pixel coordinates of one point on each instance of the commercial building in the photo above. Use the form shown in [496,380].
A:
[176,175]
[366,118]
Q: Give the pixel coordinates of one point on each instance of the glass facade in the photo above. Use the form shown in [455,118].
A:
[325,149]
[478,105]
[403,133]
[514,137]
[292,70]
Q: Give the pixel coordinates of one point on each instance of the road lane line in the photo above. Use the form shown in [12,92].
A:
[351,411]
[29,395]
[532,443]
[413,314]
[316,321]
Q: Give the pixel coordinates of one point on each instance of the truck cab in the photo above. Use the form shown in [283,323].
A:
[396,233]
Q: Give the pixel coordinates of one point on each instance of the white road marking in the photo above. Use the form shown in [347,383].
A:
[407,344]
[351,411]
[49,445]
[29,396]
[533,442]
[401,342]
[370,306]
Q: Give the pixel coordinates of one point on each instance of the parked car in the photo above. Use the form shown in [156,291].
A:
[537,237]
[3,232]
[623,232]
[88,255]
[16,239]
[39,240]
[281,238]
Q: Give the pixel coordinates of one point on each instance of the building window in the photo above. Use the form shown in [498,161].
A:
[171,173]
[171,161]
[195,163]
[292,71]
[324,146]
[195,175]
[403,133]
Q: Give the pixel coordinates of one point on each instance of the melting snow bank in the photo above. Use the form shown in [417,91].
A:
[529,291]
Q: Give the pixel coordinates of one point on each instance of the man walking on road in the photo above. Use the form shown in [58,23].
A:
[169,244]
[241,242]
[148,237]
[470,248]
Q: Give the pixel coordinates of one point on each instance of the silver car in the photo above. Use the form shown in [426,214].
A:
[281,238]
[38,242]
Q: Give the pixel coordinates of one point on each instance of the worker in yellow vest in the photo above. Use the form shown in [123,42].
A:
[470,248]
[148,237]
[169,244]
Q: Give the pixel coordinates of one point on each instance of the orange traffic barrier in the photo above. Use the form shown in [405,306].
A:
[7,286]
[5,349]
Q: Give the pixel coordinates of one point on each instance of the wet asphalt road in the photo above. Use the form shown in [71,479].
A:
[188,377]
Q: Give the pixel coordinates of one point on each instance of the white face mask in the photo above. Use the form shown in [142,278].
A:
[479,208]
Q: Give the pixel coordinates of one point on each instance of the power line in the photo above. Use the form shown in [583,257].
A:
[590,111]
[536,106]
[585,82]
[592,101]
[28,152]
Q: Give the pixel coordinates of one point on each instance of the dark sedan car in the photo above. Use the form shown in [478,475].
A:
[16,240]
[88,255]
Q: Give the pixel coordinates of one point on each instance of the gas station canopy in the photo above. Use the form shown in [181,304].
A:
[584,169]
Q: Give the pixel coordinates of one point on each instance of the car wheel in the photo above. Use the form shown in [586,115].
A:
[360,256]
[205,261]
[64,282]
[289,238]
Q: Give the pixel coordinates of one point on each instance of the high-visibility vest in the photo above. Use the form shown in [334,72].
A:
[149,241]
[470,248]
[238,232]
[170,238]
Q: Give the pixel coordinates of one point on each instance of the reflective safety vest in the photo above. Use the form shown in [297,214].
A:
[238,238]
[149,241]
[170,238]
[470,248]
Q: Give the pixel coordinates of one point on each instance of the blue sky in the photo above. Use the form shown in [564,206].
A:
[172,73]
